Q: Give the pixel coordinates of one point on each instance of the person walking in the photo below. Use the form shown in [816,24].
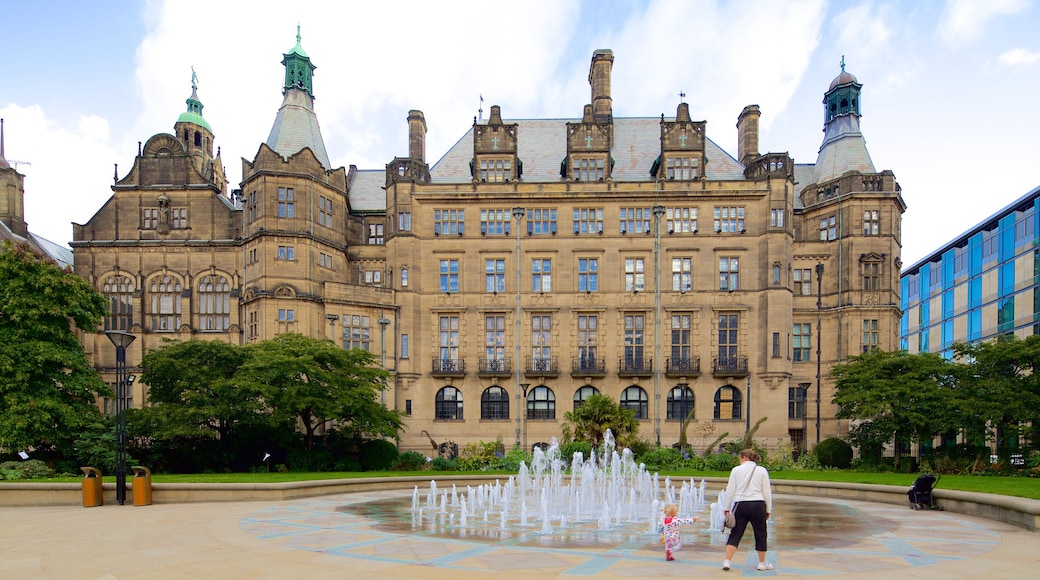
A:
[751,500]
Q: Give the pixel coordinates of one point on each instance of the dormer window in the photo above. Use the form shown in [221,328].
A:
[588,168]
[496,170]
[681,168]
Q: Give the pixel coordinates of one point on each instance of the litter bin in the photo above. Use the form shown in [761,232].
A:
[142,485]
[93,494]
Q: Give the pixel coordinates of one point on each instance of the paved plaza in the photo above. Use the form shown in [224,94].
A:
[372,535]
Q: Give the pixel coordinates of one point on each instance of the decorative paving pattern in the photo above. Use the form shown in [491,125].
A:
[807,537]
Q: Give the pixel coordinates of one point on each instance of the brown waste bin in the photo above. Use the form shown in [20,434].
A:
[142,483]
[93,494]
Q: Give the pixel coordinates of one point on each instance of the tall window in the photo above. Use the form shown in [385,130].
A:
[729,220]
[635,275]
[357,333]
[449,342]
[796,401]
[214,303]
[251,206]
[776,345]
[802,342]
[496,170]
[254,324]
[588,220]
[449,222]
[179,218]
[541,222]
[587,168]
[286,253]
[541,275]
[776,218]
[679,404]
[588,274]
[727,403]
[495,342]
[494,404]
[682,168]
[448,404]
[728,337]
[404,346]
[634,398]
[681,346]
[634,340]
[325,260]
[404,221]
[495,275]
[803,281]
[495,222]
[680,220]
[870,334]
[871,222]
[828,228]
[375,234]
[119,292]
[373,278]
[541,404]
[541,342]
[166,303]
[588,340]
[149,218]
[729,274]
[871,275]
[636,220]
[682,274]
[325,211]
[286,202]
[582,394]
[449,275]
[404,277]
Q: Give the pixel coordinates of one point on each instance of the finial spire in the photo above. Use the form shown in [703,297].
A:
[843,63]
[682,96]
[298,35]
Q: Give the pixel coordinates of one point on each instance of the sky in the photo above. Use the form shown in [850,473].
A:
[948,100]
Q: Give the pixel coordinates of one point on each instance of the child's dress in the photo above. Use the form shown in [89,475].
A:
[672,539]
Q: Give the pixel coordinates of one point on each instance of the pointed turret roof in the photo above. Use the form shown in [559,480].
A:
[296,125]
[3,160]
[843,148]
[194,112]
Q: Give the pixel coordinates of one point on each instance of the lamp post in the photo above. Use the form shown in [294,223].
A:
[747,392]
[383,322]
[332,325]
[819,341]
[121,340]
[518,215]
[524,387]
[658,212]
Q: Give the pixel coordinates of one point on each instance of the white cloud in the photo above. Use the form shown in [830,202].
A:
[1018,56]
[966,20]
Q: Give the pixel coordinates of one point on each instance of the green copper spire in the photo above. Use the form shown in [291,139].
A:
[298,68]
[194,112]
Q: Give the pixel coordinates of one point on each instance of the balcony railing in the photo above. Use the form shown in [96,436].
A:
[588,367]
[635,367]
[735,366]
[448,367]
[494,367]
[541,367]
[683,367]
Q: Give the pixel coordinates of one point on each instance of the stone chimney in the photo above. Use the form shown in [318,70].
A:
[416,135]
[747,134]
[599,80]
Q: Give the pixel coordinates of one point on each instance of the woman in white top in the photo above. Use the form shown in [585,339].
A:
[751,500]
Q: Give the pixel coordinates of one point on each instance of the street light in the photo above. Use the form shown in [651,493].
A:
[332,325]
[658,212]
[819,341]
[747,420]
[383,322]
[121,340]
[524,387]
[518,215]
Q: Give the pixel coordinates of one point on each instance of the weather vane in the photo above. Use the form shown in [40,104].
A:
[843,63]
[194,79]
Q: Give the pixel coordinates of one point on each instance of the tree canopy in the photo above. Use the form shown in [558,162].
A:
[47,385]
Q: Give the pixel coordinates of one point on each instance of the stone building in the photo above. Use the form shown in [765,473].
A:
[534,264]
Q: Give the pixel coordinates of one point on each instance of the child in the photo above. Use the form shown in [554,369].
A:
[672,540]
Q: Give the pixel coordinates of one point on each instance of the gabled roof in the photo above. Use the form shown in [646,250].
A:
[366,191]
[61,255]
[543,145]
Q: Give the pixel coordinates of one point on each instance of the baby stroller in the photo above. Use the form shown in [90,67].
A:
[920,493]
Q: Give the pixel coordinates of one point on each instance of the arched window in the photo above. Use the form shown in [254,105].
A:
[119,291]
[494,404]
[214,304]
[584,393]
[541,403]
[680,403]
[727,403]
[448,404]
[404,277]
[165,293]
[198,139]
[635,398]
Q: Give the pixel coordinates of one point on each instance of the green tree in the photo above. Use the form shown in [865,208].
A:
[590,421]
[47,386]
[314,381]
[905,397]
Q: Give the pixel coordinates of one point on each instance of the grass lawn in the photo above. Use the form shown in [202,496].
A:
[1013,486]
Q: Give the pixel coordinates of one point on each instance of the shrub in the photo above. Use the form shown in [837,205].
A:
[411,461]
[720,462]
[30,469]
[442,464]
[661,458]
[478,456]
[567,450]
[378,455]
[512,459]
[833,452]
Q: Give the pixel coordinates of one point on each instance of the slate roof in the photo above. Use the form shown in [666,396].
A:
[843,150]
[59,254]
[543,145]
[296,127]
[366,191]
